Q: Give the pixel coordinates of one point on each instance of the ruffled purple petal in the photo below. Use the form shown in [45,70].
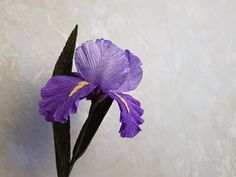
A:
[130,116]
[103,63]
[56,104]
[135,73]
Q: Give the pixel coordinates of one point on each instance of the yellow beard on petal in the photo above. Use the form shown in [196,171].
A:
[123,101]
[78,86]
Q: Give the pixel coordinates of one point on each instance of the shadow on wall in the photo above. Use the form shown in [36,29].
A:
[26,142]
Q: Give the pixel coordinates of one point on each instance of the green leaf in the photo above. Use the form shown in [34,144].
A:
[62,131]
[97,112]
[65,61]
[62,147]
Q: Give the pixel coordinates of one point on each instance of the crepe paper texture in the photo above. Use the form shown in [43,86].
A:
[104,73]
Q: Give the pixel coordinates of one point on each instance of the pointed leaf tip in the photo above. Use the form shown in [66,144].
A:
[64,63]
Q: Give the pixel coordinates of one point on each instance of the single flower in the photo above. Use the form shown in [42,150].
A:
[100,64]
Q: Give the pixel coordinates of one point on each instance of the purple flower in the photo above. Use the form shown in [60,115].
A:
[100,64]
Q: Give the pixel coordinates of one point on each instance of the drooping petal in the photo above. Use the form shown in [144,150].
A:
[103,63]
[135,73]
[61,95]
[130,114]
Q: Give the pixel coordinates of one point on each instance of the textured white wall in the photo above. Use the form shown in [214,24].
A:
[188,49]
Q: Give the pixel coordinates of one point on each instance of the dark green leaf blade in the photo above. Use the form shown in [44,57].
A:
[61,134]
[96,114]
[62,131]
[65,61]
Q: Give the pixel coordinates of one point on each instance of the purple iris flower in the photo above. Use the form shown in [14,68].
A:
[100,64]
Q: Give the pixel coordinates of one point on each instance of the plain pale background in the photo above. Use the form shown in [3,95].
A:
[188,50]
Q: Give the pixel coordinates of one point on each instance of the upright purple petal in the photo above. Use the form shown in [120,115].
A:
[130,116]
[135,73]
[87,58]
[60,97]
[113,69]
[103,63]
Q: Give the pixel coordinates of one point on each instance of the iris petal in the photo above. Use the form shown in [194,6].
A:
[103,63]
[87,58]
[135,74]
[57,101]
[130,116]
